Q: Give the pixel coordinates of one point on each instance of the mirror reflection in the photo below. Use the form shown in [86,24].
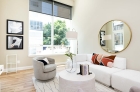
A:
[114,36]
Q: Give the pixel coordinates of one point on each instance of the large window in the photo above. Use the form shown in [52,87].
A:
[49,22]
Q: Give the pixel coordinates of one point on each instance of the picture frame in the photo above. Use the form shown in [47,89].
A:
[14,42]
[102,42]
[15,27]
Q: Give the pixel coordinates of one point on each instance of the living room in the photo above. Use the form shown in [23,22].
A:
[87,19]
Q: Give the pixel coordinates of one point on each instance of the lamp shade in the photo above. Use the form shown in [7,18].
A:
[71,35]
[106,37]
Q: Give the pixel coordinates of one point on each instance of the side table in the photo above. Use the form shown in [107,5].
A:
[1,69]
[11,60]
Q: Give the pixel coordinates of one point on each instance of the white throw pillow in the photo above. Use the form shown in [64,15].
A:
[89,57]
[45,59]
[119,63]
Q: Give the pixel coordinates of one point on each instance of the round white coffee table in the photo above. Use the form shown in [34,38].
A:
[71,82]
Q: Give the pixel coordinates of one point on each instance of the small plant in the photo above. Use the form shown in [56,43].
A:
[69,54]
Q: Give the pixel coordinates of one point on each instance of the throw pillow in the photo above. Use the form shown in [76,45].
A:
[110,57]
[99,58]
[94,59]
[110,64]
[43,61]
[105,60]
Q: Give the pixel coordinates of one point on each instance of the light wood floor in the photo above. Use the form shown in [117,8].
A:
[17,82]
[20,81]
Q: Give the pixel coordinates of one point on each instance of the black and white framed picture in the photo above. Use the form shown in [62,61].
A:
[14,42]
[102,42]
[14,27]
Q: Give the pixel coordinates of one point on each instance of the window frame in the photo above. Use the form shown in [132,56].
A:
[53,9]
[52,28]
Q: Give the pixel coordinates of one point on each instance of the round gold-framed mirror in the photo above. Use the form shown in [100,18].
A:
[114,36]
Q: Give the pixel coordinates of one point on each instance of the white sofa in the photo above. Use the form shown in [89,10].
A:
[125,79]
[117,76]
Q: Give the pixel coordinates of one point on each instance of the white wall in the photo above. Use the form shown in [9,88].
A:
[90,15]
[17,10]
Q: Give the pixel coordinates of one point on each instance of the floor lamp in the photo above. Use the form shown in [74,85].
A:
[72,35]
[106,37]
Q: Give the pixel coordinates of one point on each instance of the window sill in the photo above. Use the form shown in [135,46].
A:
[46,54]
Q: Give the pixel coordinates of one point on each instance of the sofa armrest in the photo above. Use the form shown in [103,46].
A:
[119,63]
[51,60]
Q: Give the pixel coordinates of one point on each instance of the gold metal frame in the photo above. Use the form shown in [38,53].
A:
[127,44]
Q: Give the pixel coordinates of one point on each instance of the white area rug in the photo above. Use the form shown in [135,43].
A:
[53,86]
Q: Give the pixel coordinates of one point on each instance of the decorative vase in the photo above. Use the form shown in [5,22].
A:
[71,66]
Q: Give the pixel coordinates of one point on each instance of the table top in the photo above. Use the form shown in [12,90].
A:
[74,77]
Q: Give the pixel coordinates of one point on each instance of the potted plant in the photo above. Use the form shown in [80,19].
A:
[70,65]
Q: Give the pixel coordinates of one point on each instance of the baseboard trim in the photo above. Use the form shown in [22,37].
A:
[25,68]
[30,67]
[61,63]
[19,68]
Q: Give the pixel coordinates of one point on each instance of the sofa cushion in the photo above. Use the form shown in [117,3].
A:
[48,68]
[103,73]
[126,77]
[119,63]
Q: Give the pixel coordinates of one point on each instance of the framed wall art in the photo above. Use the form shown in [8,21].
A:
[14,42]
[14,27]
